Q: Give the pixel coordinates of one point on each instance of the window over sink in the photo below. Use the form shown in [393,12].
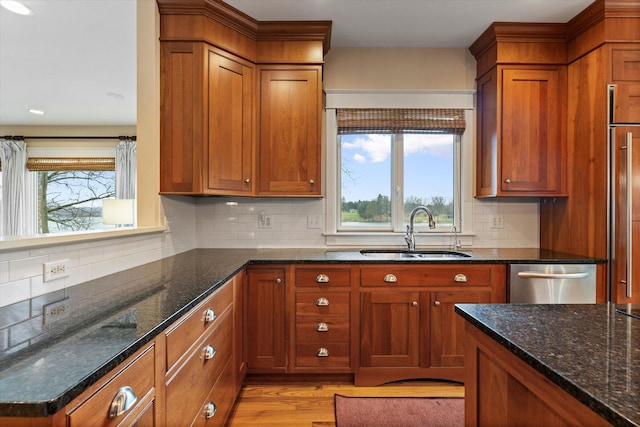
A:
[390,160]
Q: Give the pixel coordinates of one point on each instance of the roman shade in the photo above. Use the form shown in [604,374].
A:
[400,120]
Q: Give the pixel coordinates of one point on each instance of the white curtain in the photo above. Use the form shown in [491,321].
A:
[15,217]
[126,170]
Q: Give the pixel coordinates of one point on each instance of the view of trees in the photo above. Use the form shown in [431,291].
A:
[379,209]
[72,200]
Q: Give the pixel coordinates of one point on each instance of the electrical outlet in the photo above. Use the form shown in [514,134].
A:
[56,269]
[313,221]
[264,221]
[56,311]
[497,222]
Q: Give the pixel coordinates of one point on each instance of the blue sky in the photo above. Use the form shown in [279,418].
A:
[428,166]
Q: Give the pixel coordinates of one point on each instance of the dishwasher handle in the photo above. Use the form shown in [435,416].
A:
[537,275]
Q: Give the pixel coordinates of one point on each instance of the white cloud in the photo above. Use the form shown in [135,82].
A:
[377,147]
[435,145]
[359,158]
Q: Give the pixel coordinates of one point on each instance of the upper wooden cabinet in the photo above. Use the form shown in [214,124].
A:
[521,107]
[230,123]
[289,154]
[206,121]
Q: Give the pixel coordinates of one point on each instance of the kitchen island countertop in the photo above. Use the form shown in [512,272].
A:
[114,316]
[590,351]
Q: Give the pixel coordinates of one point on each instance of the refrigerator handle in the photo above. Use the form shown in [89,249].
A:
[537,275]
[629,214]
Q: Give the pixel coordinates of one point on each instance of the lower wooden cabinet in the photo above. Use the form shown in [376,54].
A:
[127,398]
[266,351]
[412,331]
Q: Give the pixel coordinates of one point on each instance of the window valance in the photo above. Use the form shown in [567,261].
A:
[400,120]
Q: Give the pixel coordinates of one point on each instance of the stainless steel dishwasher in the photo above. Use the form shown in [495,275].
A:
[552,283]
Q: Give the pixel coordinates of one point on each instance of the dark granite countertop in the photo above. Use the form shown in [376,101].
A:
[116,315]
[590,351]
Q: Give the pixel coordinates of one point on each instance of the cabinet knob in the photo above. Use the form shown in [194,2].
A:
[311,182]
[322,327]
[208,352]
[209,410]
[124,400]
[322,302]
[390,278]
[508,181]
[209,315]
[278,280]
[437,303]
[247,180]
[322,278]
[460,278]
[322,352]
[414,303]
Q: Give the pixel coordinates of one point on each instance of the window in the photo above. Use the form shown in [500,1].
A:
[69,192]
[393,160]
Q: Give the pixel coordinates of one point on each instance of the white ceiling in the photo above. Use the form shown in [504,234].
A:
[70,56]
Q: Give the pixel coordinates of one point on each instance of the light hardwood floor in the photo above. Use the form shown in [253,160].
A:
[303,404]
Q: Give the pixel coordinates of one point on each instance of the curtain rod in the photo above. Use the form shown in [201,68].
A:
[18,137]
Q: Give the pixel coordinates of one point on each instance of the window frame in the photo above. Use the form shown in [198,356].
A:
[335,99]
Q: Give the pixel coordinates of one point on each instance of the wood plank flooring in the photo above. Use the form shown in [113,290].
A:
[311,404]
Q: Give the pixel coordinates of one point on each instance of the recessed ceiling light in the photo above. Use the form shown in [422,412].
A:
[15,7]
[34,111]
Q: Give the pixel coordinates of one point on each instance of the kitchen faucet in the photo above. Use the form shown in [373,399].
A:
[410,237]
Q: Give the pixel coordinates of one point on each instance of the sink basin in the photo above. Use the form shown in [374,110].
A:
[417,254]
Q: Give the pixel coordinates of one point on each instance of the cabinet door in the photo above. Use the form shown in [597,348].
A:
[447,328]
[626,239]
[230,136]
[265,319]
[290,131]
[390,325]
[626,105]
[532,151]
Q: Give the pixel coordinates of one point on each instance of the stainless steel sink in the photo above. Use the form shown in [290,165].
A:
[416,254]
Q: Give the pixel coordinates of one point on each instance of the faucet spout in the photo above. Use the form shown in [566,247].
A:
[410,235]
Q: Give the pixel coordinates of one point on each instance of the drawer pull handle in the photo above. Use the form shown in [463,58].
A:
[124,400]
[209,410]
[322,327]
[322,302]
[390,278]
[208,352]
[322,352]
[461,278]
[209,315]
[322,278]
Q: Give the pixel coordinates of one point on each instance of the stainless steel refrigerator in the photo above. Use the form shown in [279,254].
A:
[624,194]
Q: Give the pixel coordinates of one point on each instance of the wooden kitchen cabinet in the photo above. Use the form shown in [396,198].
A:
[135,378]
[521,140]
[206,121]
[199,351]
[290,130]
[240,108]
[265,305]
[408,327]
[322,298]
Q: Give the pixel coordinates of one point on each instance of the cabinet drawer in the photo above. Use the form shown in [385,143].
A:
[432,275]
[307,355]
[222,397]
[138,375]
[337,329]
[323,276]
[626,65]
[323,303]
[187,390]
[194,324]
